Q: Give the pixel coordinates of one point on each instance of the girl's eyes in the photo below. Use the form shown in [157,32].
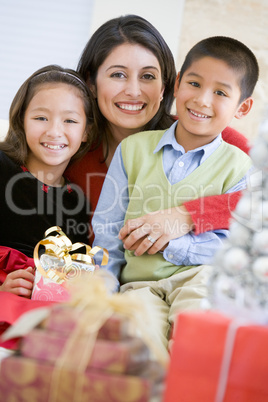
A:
[70,121]
[194,84]
[40,118]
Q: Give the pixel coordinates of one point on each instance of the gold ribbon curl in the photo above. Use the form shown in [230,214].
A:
[60,246]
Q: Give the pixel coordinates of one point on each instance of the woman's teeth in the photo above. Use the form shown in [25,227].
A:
[130,107]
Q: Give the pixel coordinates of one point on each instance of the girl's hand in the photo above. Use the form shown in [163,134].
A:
[19,282]
[161,226]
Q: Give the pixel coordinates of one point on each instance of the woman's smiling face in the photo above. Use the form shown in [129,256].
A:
[129,88]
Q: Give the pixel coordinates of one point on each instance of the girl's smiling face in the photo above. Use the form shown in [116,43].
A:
[129,88]
[54,124]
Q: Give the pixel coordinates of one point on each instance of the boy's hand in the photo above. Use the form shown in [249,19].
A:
[161,226]
[19,282]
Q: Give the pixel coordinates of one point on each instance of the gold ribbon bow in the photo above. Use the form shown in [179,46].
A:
[60,246]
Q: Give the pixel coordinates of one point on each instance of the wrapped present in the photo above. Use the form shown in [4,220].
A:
[23,380]
[94,312]
[45,289]
[127,356]
[217,358]
[59,263]
[64,319]
[73,359]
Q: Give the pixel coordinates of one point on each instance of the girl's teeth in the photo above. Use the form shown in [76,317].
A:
[131,107]
[53,146]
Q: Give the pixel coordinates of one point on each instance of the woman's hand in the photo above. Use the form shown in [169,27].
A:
[161,226]
[19,282]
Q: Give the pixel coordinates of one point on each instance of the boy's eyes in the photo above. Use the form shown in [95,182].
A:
[197,85]
[221,93]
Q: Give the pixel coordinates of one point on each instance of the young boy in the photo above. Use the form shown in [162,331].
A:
[158,170]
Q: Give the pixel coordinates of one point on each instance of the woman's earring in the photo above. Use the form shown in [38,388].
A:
[161,98]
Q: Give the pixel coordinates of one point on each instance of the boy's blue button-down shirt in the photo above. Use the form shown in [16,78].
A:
[113,202]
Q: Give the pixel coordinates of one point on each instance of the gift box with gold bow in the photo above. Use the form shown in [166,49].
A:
[60,262]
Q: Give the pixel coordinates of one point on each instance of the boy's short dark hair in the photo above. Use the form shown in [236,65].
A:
[235,54]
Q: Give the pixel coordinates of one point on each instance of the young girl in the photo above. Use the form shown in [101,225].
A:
[49,126]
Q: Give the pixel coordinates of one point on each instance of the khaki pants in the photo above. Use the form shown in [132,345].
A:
[167,297]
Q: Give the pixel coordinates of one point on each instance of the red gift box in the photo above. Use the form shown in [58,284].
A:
[216,358]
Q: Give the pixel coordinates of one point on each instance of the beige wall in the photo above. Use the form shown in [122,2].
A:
[245,20]
[158,12]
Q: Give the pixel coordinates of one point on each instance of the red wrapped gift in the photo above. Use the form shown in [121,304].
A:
[217,358]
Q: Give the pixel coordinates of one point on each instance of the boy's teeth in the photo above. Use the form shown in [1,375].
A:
[131,107]
[198,114]
[53,146]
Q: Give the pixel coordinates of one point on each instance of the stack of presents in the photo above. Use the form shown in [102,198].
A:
[55,362]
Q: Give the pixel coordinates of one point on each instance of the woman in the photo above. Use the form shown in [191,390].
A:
[114,122]
[113,64]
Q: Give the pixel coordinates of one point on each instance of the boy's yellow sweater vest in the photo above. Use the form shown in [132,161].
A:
[150,190]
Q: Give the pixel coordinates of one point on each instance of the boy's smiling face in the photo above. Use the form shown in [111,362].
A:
[207,98]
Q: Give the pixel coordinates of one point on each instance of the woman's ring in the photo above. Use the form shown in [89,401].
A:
[151,239]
